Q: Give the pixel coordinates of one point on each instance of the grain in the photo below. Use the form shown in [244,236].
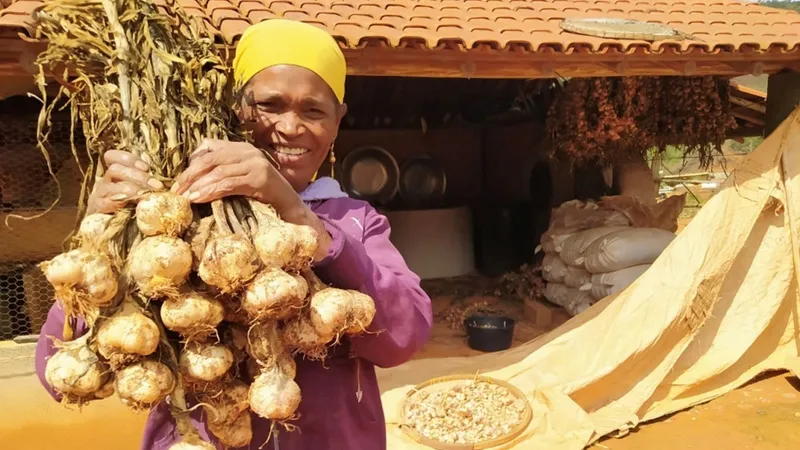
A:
[469,412]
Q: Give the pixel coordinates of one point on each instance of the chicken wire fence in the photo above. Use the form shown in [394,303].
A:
[26,189]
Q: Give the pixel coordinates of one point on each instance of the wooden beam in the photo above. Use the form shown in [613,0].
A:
[795,65]
[517,69]
[14,67]
[519,64]
[508,64]
[17,85]
[751,105]
[747,92]
[754,68]
[745,114]
[686,175]
[743,132]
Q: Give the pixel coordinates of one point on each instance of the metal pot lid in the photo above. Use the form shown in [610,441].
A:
[370,173]
[422,181]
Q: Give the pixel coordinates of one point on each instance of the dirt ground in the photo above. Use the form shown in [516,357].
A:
[763,415]
[446,341]
[682,222]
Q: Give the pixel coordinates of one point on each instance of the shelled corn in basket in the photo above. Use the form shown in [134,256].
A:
[595,249]
[465,411]
[176,298]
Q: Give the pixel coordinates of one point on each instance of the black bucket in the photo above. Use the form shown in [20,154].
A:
[489,333]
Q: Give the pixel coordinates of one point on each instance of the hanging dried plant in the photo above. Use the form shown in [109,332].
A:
[600,119]
[136,76]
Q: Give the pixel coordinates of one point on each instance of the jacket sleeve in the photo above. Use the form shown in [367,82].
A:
[53,328]
[403,315]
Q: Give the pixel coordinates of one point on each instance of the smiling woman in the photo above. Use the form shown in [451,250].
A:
[292,94]
[291,78]
[296,116]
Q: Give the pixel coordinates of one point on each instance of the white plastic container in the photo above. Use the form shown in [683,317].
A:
[436,243]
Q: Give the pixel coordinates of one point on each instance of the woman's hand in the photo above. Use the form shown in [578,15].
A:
[125,178]
[219,169]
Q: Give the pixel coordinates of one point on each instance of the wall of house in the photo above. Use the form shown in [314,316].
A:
[502,172]
[491,161]
[458,150]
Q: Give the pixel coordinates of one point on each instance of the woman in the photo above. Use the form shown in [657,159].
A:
[292,77]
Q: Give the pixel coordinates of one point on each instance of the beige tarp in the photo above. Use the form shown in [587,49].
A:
[716,309]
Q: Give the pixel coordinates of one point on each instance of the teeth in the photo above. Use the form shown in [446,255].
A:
[291,150]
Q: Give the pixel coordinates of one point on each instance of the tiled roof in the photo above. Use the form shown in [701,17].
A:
[728,25]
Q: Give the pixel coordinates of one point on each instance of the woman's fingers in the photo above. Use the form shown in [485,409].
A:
[121,173]
[126,177]
[127,159]
[124,191]
[125,166]
[237,185]
[209,155]
[114,196]
[227,176]
[198,168]
[206,145]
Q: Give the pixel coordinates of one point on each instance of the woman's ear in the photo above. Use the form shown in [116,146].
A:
[341,113]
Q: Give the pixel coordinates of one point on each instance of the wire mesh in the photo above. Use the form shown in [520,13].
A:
[27,189]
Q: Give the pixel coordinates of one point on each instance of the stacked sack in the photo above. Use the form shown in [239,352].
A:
[595,249]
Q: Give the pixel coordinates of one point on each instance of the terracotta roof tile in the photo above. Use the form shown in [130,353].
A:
[259,15]
[17,15]
[728,24]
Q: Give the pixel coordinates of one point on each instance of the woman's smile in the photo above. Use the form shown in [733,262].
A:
[290,155]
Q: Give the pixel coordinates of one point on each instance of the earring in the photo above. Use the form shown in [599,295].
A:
[332,161]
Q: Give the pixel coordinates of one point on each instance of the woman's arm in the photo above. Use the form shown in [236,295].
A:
[403,316]
[53,327]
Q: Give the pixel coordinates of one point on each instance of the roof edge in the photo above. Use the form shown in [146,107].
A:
[452,62]
[591,45]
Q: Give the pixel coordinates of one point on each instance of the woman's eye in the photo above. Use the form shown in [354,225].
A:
[267,106]
[315,113]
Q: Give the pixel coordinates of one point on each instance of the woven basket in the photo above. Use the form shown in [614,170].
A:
[442,382]
[623,29]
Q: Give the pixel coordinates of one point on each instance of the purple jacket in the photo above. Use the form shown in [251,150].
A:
[331,417]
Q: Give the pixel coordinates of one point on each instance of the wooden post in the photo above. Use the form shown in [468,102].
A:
[783,96]
[655,168]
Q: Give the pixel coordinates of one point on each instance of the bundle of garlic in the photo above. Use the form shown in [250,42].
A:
[252,299]
[178,299]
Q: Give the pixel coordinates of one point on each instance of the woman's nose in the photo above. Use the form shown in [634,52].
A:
[289,124]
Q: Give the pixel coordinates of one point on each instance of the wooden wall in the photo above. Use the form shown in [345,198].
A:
[492,161]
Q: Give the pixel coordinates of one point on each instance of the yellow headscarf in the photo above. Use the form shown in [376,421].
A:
[278,41]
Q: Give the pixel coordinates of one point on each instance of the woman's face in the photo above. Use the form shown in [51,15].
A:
[295,116]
